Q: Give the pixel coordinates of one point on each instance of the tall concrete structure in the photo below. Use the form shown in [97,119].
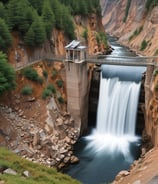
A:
[77,84]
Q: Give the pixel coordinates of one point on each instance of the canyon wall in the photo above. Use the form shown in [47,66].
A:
[137,29]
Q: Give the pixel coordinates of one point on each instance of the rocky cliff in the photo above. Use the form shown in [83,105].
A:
[137,29]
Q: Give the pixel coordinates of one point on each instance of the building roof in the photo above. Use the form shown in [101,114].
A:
[75,44]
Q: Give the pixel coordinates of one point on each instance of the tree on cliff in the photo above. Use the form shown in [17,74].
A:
[19,15]
[68,24]
[7,75]
[48,18]
[5,36]
[36,34]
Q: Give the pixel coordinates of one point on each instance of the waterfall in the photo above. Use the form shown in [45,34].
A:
[117,111]
[117,107]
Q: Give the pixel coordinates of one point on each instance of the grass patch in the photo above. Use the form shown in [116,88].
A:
[136,33]
[143,45]
[39,173]
[27,90]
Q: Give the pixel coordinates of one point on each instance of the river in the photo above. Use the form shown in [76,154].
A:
[102,157]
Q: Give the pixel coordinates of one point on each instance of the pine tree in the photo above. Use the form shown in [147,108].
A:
[19,15]
[48,18]
[2,11]
[83,10]
[68,24]
[36,34]
[7,75]
[29,38]
[37,4]
[5,36]
[57,9]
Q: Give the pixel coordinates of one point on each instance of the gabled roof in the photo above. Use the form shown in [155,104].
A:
[75,44]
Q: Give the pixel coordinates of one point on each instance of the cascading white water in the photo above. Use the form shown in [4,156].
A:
[116,117]
[117,107]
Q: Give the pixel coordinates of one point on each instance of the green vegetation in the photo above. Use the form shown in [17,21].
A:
[39,174]
[127,10]
[150,4]
[7,75]
[54,73]
[27,90]
[51,88]
[143,45]
[101,39]
[5,36]
[35,19]
[59,83]
[85,34]
[155,72]
[31,74]
[82,7]
[46,93]
[136,33]
[61,99]
[45,74]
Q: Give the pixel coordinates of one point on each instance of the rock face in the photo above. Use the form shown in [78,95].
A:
[132,29]
[51,146]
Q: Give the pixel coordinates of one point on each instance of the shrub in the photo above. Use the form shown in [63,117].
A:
[40,80]
[54,73]
[127,10]
[27,90]
[61,99]
[85,34]
[30,74]
[143,45]
[59,83]
[51,88]
[155,72]
[45,74]
[136,33]
[46,92]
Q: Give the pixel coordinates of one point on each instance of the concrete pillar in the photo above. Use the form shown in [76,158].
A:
[77,93]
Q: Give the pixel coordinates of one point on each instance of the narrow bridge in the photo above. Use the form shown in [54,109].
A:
[115,60]
[101,59]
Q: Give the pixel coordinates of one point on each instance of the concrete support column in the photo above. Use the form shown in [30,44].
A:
[77,93]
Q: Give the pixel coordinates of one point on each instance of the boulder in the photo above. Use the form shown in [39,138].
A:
[74,159]
[26,174]
[10,171]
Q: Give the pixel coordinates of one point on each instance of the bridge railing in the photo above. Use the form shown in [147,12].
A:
[100,59]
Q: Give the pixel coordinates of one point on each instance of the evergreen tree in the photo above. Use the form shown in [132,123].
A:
[48,18]
[19,15]
[37,4]
[83,7]
[5,36]
[7,75]
[2,11]
[57,9]
[29,38]
[68,24]
[36,34]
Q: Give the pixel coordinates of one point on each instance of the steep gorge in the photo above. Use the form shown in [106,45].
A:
[137,28]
